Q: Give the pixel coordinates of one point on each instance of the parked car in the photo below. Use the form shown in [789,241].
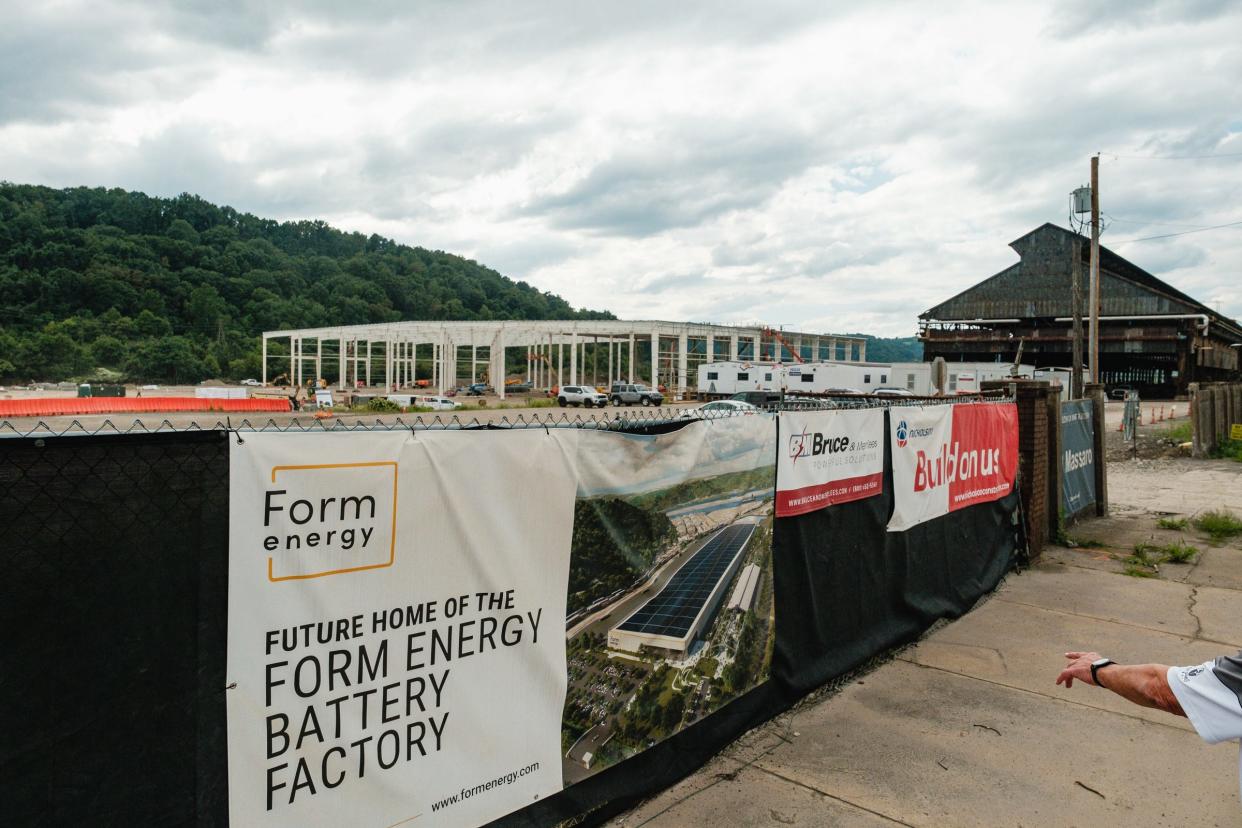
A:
[720,407]
[436,403]
[757,398]
[624,393]
[477,390]
[583,395]
[795,403]
[892,392]
[1119,392]
[251,382]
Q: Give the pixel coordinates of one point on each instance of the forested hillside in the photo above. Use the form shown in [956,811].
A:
[110,283]
[613,543]
[893,349]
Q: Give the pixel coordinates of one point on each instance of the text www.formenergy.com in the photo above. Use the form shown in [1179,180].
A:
[466,793]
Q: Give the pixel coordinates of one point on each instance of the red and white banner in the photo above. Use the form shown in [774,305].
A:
[948,457]
[828,457]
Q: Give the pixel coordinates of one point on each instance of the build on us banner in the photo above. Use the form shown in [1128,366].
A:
[828,457]
[948,457]
[396,646]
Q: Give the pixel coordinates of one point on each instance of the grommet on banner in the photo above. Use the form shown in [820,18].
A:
[228,423]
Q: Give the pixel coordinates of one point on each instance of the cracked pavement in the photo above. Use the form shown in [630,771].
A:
[967,726]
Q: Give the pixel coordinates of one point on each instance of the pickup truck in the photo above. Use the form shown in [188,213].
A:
[623,393]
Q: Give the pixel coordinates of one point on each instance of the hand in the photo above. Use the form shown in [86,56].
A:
[1078,668]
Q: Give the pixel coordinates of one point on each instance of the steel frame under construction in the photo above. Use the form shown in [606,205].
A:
[557,352]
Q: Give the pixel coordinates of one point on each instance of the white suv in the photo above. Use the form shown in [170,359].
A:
[583,395]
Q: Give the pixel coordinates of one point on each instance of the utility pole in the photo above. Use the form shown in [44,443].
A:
[1095,268]
[1076,305]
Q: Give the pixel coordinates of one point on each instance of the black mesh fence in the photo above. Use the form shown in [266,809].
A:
[113,617]
[114,610]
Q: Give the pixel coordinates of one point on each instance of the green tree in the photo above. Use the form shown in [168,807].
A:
[170,358]
[108,350]
[148,324]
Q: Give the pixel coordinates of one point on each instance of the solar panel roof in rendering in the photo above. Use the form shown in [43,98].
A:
[674,609]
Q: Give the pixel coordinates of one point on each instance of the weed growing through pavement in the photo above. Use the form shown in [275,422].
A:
[1179,433]
[1173,522]
[1229,450]
[1147,557]
[1220,524]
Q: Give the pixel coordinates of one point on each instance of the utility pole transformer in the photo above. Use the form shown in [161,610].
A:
[1095,269]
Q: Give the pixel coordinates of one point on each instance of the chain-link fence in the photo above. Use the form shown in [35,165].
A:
[622,420]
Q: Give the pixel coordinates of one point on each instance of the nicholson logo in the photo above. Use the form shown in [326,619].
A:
[905,433]
[814,444]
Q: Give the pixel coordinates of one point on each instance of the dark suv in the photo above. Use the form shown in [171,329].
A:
[624,393]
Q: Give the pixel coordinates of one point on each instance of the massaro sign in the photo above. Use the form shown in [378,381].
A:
[948,457]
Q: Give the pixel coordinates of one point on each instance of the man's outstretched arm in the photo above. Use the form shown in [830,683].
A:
[1147,685]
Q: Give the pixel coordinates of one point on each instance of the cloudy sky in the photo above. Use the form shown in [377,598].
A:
[785,162]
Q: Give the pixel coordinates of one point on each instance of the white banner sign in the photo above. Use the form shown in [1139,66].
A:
[948,457]
[396,629]
[828,457]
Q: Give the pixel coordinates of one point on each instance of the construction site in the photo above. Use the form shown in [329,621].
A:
[533,355]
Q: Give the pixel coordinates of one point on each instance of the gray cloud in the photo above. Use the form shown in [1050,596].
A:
[731,162]
[684,179]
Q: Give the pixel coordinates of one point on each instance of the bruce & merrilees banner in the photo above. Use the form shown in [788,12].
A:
[828,457]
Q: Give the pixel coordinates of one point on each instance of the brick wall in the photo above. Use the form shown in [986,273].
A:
[1034,457]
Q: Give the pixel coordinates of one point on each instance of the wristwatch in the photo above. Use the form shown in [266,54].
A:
[1096,666]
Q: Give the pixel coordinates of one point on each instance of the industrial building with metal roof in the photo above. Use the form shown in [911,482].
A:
[1153,337]
[682,611]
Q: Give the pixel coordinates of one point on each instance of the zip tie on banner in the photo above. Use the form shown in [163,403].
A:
[228,422]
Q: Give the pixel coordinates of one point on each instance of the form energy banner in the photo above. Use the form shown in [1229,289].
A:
[828,457]
[396,645]
[449,626]
[948,457]
[1078,458]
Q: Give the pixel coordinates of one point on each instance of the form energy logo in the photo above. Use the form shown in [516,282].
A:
[329,519]
[902,433]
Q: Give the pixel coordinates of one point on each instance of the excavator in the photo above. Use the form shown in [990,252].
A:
[776,336]
[556,387]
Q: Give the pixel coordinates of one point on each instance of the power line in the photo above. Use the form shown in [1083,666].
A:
[1173,157]
[1111,217]
[1183,233]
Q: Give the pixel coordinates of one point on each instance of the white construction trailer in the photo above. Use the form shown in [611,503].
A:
[723,379]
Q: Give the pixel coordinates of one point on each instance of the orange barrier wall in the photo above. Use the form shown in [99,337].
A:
[53,406]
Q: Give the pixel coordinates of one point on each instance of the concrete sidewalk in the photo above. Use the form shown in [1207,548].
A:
[968,728]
